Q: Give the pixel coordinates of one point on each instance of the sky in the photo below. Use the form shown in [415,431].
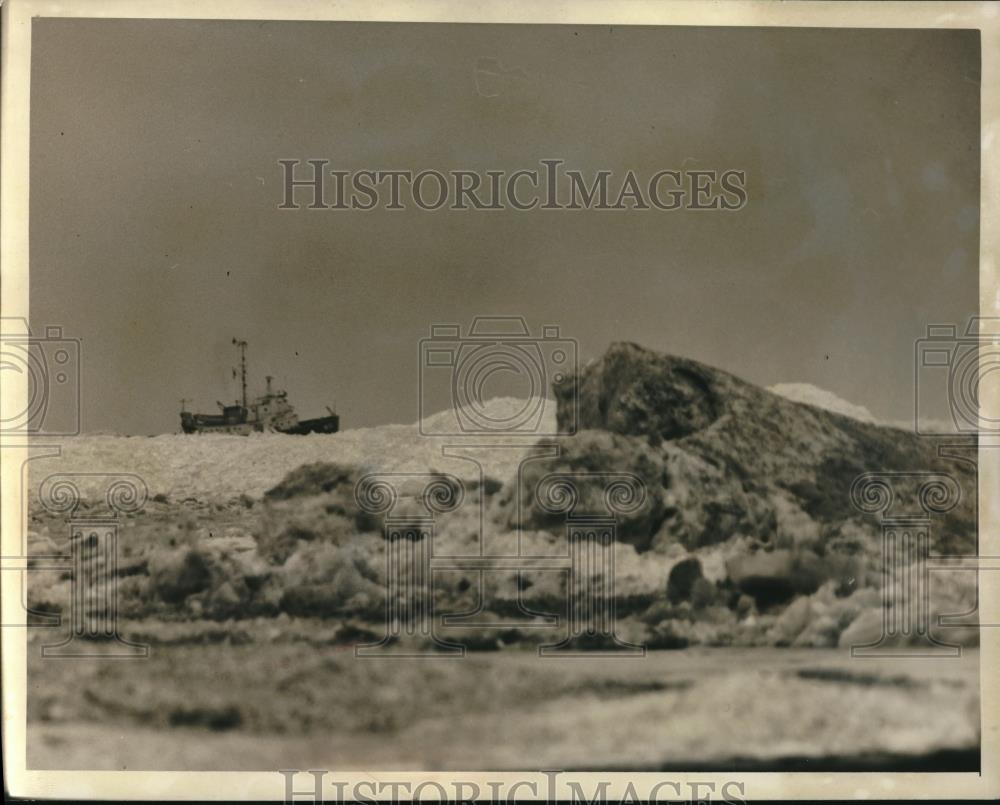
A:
[156,235]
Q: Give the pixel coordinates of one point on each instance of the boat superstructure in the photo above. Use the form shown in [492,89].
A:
[271,411]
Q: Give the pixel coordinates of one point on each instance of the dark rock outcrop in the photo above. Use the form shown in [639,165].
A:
[740,461]
[776,577]
[633,391]
[682,578]
[175,575]
[590,463]
[314,503]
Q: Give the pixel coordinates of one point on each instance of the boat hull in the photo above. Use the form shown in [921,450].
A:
[323,424]
[210,423]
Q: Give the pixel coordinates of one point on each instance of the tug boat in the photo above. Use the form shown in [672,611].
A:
[269,412]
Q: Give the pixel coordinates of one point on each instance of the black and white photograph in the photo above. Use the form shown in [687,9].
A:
[520,407]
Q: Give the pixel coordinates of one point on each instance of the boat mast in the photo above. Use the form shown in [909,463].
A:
[242,346]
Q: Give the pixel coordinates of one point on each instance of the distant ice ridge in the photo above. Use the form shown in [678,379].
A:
[219,467]
[821,398]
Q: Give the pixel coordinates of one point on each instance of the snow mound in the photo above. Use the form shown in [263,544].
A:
[503,414]
[821,398]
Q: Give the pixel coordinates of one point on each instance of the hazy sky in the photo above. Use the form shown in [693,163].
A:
[155,233]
